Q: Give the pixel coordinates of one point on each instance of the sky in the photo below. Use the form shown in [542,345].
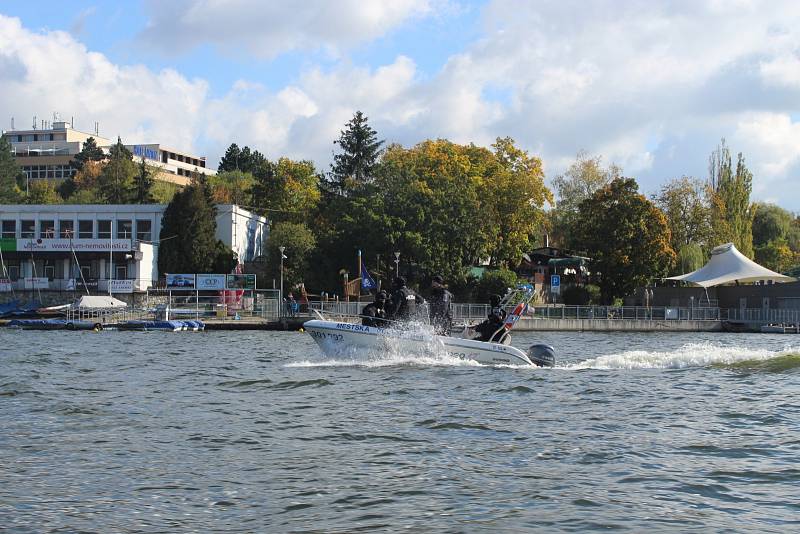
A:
[652,86]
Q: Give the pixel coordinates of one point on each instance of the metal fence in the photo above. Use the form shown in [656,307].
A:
[762,315]
[639,313]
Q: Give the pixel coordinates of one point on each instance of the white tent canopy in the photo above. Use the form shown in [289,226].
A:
[728,265]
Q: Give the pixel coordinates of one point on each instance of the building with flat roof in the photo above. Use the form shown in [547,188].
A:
[47,153]
[51,246]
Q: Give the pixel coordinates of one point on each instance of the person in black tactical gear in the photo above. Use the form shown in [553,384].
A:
[374,313]
[441,316]
[490,329]
[403,301]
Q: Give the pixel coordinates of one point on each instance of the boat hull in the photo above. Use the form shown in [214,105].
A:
[338,339]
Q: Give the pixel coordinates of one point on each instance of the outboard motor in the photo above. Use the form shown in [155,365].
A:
[542,355]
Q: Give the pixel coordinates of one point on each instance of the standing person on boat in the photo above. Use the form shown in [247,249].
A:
[489,330]
[441,315]
[374,313]
[403,301]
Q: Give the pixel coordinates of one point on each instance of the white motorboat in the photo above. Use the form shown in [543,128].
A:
[346,339]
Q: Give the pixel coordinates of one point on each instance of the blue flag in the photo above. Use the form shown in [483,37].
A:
[366,280]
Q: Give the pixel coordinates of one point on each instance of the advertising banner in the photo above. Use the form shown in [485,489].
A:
[180,281]
[241,281]
[37,282]
[121,286]
[78,245]
[210,282]
[8,244]
[5,285]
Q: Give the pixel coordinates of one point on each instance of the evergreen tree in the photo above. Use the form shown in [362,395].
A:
[188,228]
[10,174]
[361,149]
[143,185]
[729,191]
[89,152]
[230,161]
[116,179]
[244,160]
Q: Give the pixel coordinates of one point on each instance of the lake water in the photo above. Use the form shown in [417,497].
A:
[257,431]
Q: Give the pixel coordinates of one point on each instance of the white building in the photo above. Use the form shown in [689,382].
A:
[50,246]
[47,152]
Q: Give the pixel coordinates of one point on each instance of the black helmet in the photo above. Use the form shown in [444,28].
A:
[399,282]
[381,296]
[494,300]
[439,279]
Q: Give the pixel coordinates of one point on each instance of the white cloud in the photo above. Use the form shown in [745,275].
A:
[267,29]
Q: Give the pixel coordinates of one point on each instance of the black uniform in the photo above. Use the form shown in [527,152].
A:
[403,301]
[440,310]
[493,323]
[374,313]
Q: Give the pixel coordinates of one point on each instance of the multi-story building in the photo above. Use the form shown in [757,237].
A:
[51,246]
[46,153]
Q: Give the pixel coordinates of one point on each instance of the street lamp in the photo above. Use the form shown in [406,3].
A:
[397,263]
[280,300]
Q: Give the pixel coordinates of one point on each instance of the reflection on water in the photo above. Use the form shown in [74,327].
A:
[257,431]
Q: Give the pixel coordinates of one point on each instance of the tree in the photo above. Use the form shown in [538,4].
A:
[187,242]
[729,191]
[774,232]
[690,258]
[43,192]
[143,184]
[232,187]
[495,283]
[89,152]
[286,191]
[243,160]
[683,201]
[360,150]
[116,181]
[299,243]
[580,181]
[10,174]
[626,236]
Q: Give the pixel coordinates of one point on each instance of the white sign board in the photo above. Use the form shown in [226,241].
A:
[78,245]
[210,282]
[121,286]
[5,285]
[36,282]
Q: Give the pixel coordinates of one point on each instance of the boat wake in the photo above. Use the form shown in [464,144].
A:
[698,355]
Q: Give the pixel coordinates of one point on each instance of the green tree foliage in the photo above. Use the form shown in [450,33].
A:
[690,258]
[89,152]
[116,180]
[299,243]
[43,192]
[580,181]
[626,236]
[286,191]
[684,203]
[164,192]
[232,187]
[242,160]
[360,150]
[729,192]
[495,282]
[143,184]
[10,174]
[187,239]
[774,233]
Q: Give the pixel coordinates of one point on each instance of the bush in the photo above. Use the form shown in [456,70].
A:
[581,295]
[494,282]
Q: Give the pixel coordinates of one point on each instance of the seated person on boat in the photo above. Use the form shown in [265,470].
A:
[374,313]
[492,328]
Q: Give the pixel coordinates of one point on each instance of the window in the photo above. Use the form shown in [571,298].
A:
[85,229]
[27,229]
[9,229]
[13,271]
[66,229]
[104,229]
[47,229]
[144,230]
[122,272]
[50,271]
[124,229]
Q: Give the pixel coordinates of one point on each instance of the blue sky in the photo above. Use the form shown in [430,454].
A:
[650,86]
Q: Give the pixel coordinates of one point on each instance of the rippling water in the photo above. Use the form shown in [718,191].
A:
[257,431]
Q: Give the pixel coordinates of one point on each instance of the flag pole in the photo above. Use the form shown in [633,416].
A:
[360,274]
